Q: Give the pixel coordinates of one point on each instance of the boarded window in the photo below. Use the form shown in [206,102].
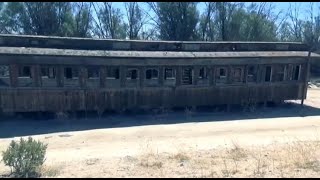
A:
[279,71]
[252,73]
[267,77]
[237,75]
[169,73]
[71,73]
[48,72]
[151,74]
[24,77]
[222,72]
[4,76]
[25,71]
[221,75]
[113,73]
[187,76]
[4,71]
[93,72]
[296,73]
[132,74]
[203,73]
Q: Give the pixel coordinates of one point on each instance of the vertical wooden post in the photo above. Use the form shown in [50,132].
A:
[123,76]
[306,79]
[142,75]
[196,75]
[245,74]
[13,68]
[211,74]
[260,71]
[178,75]
[35,74]
[161,75]
[229,76]
[60,76]
[103,74]
[83,76]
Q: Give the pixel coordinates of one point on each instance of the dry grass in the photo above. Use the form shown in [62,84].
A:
[150,160]
[50,171]
[298,159]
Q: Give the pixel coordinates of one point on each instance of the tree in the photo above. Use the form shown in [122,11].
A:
[136,19]
[285,33]
[259,25]
[108,23]
[296,28]
[176,20]
[206,24]
[82,19]
[311,28]
[37,18]
[11,16]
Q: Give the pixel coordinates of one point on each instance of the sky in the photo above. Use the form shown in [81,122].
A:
[279,6]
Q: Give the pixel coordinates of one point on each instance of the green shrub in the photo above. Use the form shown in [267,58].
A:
[25,157]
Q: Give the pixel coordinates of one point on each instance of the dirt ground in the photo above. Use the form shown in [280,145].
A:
[281,141]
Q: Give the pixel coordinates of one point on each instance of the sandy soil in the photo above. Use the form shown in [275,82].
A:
[266,143]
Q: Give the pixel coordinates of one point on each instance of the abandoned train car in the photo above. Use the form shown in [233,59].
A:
[55,74]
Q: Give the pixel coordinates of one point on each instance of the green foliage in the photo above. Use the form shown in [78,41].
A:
[220,21]
[82,20]
[110,24]
[177,20]
[25,157]
[11,17]
[135,19]
[44,18]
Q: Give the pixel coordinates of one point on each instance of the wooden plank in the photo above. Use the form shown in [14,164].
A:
[13,75]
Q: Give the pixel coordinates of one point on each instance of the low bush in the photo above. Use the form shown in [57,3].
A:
[25,157]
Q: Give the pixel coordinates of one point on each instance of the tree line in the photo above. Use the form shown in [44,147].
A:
[181,21]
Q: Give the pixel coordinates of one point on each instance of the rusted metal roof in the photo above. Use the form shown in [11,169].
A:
[147,54]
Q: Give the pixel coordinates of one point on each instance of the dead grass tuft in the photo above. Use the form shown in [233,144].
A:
[180,157]
[50,171]
[151,160]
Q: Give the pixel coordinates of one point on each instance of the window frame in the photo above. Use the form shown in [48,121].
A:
[241,74]
[72,71]
[130,70]
[173,73]
[218,77]
[205,73]
[48,70]
[8,68]
[94,68]
[152,71]
[294,72]
[265,73]
[113,71]
[22,71]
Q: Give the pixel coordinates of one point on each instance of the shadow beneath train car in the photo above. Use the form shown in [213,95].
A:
[28,126]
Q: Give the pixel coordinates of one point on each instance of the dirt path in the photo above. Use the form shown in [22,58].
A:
[110,144]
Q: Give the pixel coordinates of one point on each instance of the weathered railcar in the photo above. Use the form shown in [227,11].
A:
[77,74]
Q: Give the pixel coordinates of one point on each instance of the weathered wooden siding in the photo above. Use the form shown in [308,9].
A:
[147,97]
